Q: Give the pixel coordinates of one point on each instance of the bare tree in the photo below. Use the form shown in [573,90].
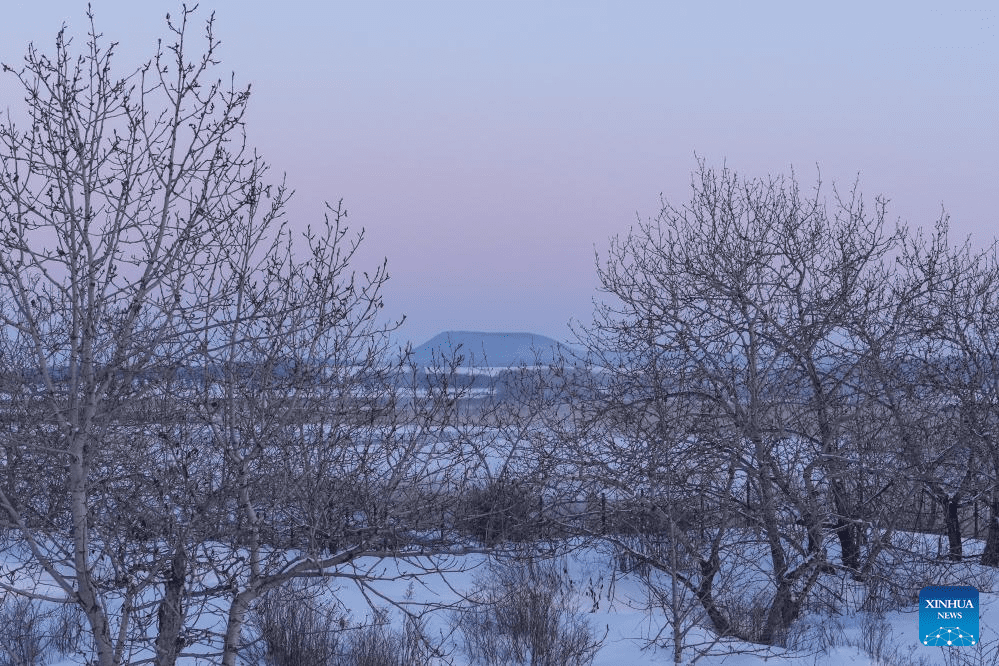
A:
[329,463]
[733,318]
[957,318]
[197,407]
[115,198]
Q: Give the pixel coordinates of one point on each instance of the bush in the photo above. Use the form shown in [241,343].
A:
[380,645]
[29,634]
[526,614]
[498,511]
[67,630]
[874,640]
[295,628]
[748,618]
[982,654]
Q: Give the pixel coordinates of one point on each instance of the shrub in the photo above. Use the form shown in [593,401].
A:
[982,654]
[500,510]
[380,645]
[526,614]
[30,634]
[295,628]
[66,628]
[748,618]
[874,640]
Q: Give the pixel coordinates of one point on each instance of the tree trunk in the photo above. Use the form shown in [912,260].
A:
[234,626]
[705,595]
[848,543]
[990,556]
[955,551]
[783,611]
[171,611]
[846,532]
[85,593]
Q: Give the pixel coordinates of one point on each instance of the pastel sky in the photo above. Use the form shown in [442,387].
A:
[490,148]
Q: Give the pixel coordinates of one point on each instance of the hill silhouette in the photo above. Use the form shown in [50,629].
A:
[498,350]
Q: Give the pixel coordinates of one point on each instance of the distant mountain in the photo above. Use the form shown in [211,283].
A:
[497,350]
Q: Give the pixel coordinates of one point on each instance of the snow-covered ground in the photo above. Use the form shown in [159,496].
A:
[619,608]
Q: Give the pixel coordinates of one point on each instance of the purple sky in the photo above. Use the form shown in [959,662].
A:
[489,147]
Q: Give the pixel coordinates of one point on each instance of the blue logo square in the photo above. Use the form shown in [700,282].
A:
[948,616]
